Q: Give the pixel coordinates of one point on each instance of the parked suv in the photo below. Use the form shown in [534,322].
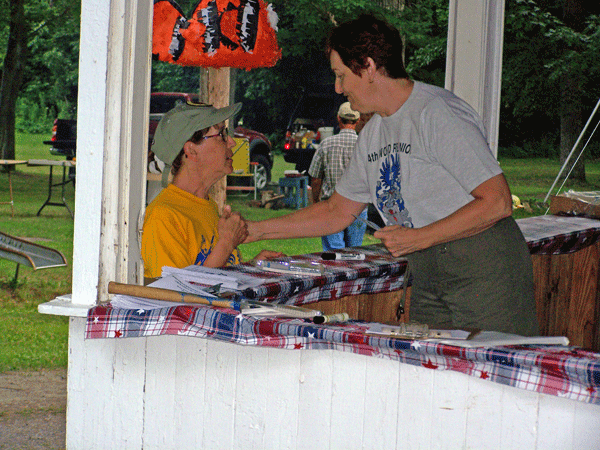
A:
[64,134]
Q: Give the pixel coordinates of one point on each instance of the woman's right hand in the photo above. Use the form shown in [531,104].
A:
[232,227]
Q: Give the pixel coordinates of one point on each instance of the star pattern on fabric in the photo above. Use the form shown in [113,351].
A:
[311,335]
[484,375]
[96,319]
[416,345]
[298,346]
[333,294]
[141,311]
[429,365]
[118,333]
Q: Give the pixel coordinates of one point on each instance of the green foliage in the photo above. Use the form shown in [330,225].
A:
[174,78]
[50,78]
[32,117]
[270,95]
[540,52]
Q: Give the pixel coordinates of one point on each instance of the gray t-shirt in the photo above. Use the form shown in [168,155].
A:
[420,164]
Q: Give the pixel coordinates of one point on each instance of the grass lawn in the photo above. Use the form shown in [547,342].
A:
[32,341]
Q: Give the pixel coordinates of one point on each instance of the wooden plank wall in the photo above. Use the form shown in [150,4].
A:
[567,296]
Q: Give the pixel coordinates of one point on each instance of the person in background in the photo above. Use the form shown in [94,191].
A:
[182,224]
[328,164]
[423,160]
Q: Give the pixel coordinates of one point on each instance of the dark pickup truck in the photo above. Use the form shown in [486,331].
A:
[64,132]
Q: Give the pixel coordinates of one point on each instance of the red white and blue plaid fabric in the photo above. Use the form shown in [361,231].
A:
[381,272]
[557,235]
[378,272]
[562,371]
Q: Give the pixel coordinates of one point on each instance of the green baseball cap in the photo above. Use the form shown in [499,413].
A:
[179,124]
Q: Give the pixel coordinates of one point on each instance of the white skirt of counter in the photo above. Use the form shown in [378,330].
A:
[177,392]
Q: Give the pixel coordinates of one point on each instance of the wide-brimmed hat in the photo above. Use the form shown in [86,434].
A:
[179,124]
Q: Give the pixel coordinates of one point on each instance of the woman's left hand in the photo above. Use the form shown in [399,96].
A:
[400,240]
[268,254]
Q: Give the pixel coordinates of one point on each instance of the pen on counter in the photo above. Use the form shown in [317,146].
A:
[339,318]
[368,223]
[350,256]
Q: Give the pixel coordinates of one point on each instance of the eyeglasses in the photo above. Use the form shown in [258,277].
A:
[224,134]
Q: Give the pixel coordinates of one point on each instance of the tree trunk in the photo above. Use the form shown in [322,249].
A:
[571,116]
[12,77]
[571,123]
[214,89]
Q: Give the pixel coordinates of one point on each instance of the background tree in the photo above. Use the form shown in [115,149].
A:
[550,75]
[12,76]
[38,54]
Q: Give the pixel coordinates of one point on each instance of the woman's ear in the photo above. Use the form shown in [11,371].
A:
[190,149]
[371,69]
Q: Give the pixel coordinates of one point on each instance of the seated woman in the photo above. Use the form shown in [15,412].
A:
[182,224]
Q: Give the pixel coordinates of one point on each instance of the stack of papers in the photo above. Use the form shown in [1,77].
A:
[202,275]
[209,283]
[496,339]
[461,338]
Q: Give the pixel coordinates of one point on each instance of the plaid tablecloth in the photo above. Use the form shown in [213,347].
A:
[562,371]
[556,235]
[380,272]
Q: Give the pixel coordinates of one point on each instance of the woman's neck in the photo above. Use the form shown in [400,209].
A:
[195,185]
[392,94]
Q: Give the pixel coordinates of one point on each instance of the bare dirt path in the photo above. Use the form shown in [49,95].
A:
[32,410]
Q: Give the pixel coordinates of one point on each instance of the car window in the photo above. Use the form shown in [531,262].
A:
[160,104]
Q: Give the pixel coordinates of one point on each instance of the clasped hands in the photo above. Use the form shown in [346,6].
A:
[234,229]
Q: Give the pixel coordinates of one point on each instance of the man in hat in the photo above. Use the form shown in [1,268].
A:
[327,167]
[182,224]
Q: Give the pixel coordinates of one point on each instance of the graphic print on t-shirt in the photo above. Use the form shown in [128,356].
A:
[389,198]
[204,251]
[206,248]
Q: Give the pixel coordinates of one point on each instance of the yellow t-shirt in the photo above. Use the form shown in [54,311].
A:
[180,229]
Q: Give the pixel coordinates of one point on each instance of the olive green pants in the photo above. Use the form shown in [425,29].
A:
[483,281]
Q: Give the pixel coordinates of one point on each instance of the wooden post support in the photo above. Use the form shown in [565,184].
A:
[214,89]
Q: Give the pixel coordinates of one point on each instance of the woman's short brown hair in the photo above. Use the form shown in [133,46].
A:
[369,37]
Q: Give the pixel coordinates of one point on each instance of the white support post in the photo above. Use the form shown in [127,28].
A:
[112,143]
[474,58]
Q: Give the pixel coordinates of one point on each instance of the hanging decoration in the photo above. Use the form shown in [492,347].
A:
[221,33]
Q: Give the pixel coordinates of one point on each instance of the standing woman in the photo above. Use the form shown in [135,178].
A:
[424,162]
[182,224]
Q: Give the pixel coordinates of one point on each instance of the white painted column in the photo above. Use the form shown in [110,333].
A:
[474,58]
[91,114]
[114,89]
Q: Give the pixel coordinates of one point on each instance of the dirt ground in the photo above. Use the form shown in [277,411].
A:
[33,410]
